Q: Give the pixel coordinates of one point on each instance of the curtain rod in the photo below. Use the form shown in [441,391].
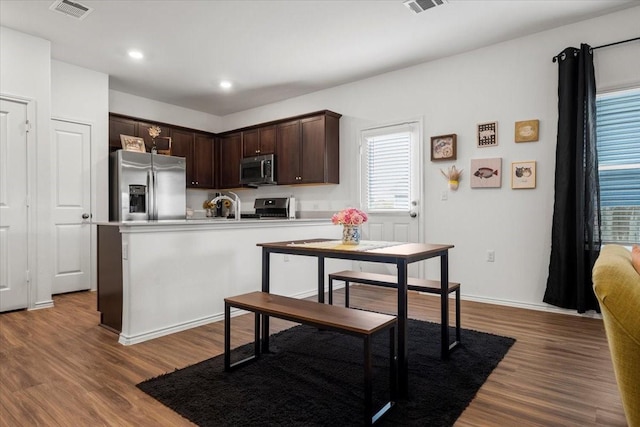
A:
[555,58]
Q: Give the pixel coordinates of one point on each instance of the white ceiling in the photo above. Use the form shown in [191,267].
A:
[274,50]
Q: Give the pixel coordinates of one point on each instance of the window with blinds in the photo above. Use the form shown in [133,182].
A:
[387,169]
[618,139]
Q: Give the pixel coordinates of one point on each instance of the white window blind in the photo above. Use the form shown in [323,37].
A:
[387,168]
[618,139]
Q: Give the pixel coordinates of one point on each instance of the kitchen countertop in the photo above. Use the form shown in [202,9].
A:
[220,223]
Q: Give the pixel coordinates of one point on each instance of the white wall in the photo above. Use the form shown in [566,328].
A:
[25,73]
[144,108]
[507,82]
[82,95]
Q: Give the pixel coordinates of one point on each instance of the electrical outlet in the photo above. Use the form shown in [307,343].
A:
[444,195]
[491,256]
[286,258]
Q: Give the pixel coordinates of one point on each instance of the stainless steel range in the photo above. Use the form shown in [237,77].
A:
[270,208]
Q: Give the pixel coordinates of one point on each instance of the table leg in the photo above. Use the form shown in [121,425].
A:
[321,279]
[444,305]
[265,288]
[227,337]
[403,347]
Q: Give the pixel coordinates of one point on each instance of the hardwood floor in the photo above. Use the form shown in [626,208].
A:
[58,367]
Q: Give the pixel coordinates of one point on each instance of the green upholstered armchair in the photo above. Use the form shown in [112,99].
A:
[617,286]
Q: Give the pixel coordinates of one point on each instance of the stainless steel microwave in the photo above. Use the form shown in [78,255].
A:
[258,170]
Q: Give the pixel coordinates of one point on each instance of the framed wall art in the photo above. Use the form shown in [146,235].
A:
[132,143]
[523,174]
[527,131]
[486,173]
[443,147]
[488,134]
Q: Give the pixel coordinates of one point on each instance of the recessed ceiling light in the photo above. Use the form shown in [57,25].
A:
[136,54]
[225,84]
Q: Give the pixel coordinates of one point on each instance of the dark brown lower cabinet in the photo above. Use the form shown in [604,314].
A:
[110,277]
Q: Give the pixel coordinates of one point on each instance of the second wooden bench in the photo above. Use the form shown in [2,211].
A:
[363,324]
[389,281]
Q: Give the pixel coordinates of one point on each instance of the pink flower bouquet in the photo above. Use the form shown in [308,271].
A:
[349,216]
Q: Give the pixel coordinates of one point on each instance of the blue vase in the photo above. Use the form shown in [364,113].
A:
[351,235]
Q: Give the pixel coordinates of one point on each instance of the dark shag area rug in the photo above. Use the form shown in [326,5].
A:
[315,378]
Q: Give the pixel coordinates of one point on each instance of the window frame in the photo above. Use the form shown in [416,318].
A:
[607,214]
[414,130]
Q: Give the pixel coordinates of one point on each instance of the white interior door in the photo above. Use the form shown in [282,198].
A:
[71,148]
[390,188]
[14,285]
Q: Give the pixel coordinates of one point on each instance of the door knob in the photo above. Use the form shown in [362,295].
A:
[86,216]
[413,214]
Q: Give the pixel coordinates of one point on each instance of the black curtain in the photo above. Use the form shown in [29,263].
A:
[575,236]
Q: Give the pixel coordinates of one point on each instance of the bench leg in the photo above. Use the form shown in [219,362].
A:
[227,340]
[456,342]
[458,315]
[330,290]
[346,293]
[371,418]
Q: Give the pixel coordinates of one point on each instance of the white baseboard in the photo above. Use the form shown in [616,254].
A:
[529,306]
[136,339]
[42,304]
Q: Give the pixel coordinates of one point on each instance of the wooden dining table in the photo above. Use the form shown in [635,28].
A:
[398,253]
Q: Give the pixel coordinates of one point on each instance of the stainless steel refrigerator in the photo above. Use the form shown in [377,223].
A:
[146,186]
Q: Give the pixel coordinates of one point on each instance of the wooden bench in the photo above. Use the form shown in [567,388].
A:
[390,281]
[358,323]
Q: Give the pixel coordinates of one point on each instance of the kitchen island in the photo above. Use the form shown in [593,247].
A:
[160,277]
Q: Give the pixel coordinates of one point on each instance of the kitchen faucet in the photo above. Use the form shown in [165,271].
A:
[236,202]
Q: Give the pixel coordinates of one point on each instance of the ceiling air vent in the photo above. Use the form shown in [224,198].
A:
[417,6]
[69,8]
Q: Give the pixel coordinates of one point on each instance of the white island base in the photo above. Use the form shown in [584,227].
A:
[175,275]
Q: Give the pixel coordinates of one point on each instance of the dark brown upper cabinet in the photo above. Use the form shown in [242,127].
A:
[143,132]
[198,149]
[204,161]
[120,126]
[182,146]
[230,153]
[259,141]
[308,150]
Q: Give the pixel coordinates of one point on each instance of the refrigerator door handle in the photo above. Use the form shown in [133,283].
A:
[154,175]
[151,195]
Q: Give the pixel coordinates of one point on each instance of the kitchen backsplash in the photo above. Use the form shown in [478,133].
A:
[304,205]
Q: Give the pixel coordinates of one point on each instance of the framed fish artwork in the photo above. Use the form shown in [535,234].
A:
[523,174]
[486,173]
